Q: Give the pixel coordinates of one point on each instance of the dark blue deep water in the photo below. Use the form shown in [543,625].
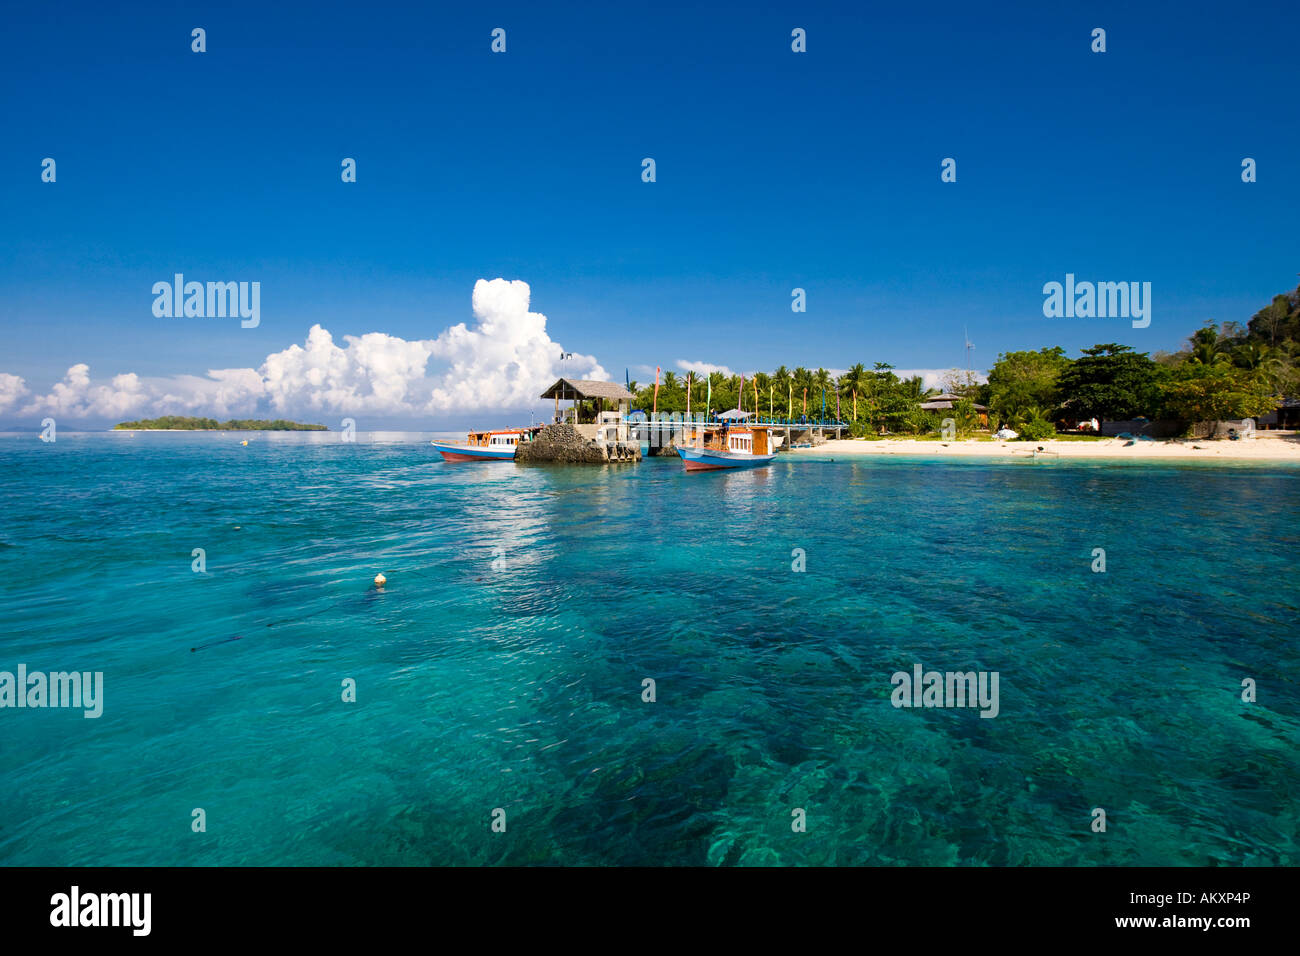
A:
[502,665]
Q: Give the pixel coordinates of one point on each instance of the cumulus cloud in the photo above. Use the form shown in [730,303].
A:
[78,397]
[703,368]
[501,362]
[933,377]
[12,389]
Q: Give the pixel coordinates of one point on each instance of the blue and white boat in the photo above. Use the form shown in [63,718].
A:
[484,446]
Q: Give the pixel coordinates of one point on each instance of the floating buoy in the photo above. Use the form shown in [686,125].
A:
[380,580]
[244,442]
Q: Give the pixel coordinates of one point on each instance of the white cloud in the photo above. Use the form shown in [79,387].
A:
[78,397]
[933,377]
[703,368]
[12,389]
[501,363]
[508,358]
[225,393]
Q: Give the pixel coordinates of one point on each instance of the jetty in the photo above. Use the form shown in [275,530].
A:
[665,431]
[599,427]
[593,430]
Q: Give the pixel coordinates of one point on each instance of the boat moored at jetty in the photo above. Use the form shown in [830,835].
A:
[486,446]
[745,446]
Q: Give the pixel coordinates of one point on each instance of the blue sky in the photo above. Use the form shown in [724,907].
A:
[775,170]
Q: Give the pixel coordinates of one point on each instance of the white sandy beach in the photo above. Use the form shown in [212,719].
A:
[1263,449]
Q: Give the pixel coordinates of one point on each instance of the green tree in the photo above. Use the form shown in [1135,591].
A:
[855,379]
[1112,382]
[782,381]
[763,383]
[1024,384]
[1214,393]
[821,389]
[1279,321]
[803,380]
[1209,346]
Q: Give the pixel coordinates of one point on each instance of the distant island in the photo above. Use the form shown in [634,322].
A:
[181,423]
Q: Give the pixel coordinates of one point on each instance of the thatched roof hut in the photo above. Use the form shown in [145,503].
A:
[581,390]
[945,401]
[587,390]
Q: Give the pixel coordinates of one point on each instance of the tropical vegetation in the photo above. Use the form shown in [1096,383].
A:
[181,423]
[1224,372]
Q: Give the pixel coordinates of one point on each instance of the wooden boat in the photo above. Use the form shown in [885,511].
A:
[485,446]
[744,446]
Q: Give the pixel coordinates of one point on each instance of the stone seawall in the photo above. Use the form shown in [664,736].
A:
[563,443]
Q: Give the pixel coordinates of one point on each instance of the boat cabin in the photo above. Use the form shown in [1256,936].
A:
[498,439]
[750,439]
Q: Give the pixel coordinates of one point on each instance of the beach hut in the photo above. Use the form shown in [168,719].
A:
[945,401]
[595,396]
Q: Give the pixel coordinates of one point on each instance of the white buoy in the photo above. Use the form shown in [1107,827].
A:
[380,580]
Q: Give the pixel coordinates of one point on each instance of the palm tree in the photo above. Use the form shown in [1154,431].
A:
[822,382]
[802,381]
[912,389]
[715,383]
[1208,347]
[1264,360]
[854,379]
[762,383]
[781,381]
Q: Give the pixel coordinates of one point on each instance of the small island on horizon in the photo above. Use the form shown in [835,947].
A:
[183,423]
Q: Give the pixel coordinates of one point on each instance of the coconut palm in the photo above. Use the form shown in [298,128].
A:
[1209,347]
[802,383]
[783,383]
[821,384]
[913,389]
[763,383]
[717,381]
[854,380]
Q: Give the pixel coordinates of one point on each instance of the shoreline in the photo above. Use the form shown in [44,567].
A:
[1247,449]
[213,431]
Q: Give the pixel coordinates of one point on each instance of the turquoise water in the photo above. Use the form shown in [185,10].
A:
[502,665]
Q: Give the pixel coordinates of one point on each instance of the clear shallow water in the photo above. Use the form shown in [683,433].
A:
[520,686]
